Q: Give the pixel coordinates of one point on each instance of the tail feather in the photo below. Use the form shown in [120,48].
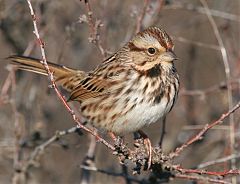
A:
[64,76]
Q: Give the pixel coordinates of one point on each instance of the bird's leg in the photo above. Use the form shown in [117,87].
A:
[148,144]
[118,140]
[113,136]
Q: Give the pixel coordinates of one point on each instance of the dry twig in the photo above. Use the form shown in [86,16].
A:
[88,161]
[141,16]
[227,73]
[210,90]
[203,131]
[215,13]
[217,161]
[200,178]
[94,25]
[34,157]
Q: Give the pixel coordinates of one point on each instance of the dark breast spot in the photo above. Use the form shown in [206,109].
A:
[129,90]
[127,100]
[158,98]
[132,107]
[119,90]
[169,92]
[153,83]
[106,109]
[113,118]
[83,108]
[145,88]
[154,71]
[92,119]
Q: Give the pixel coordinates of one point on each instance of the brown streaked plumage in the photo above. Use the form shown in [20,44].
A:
[133,88]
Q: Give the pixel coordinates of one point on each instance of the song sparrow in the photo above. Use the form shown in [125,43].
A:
[134,87]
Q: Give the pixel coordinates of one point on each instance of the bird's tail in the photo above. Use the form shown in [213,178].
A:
[66,77]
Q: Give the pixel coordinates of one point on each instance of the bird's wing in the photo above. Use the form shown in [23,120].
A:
[99,82]
[90,87]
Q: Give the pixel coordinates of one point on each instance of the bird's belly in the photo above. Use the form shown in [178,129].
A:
[130,110]
[143,114]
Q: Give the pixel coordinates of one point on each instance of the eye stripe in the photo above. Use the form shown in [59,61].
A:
[133,47]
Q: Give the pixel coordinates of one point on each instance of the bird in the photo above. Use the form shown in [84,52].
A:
[131,89]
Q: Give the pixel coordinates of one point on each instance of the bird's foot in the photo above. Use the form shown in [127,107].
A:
[147,143]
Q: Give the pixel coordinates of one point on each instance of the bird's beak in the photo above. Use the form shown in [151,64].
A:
[169,56]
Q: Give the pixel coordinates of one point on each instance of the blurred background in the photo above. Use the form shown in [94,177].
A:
[31,113]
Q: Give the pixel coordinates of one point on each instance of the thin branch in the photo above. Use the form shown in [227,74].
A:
[199,127]
[200,178]
[94,25]
[158,7]
[200,44]
[125,174]
[215,13]
[50,75]
[4,97]
[209,90]
[203,131]
[211,173]
[88,161]
[112,174]
[141,16]
[33,159]
[217,161]
[227,73]
[19,130]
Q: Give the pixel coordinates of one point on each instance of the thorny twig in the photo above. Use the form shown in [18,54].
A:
[50,74]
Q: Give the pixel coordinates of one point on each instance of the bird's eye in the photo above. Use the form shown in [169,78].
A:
[151,50]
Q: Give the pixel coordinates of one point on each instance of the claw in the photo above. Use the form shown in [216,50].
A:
[147,142]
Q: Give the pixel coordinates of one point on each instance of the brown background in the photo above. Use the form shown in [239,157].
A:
[40,111]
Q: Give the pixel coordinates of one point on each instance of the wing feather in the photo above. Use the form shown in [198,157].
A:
[94,87]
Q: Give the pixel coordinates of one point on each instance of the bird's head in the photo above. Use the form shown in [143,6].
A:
[150,48]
